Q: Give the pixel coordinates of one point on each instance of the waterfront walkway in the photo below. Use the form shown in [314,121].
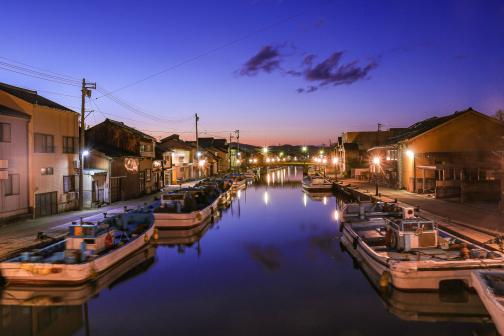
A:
[22,234]
[478,222]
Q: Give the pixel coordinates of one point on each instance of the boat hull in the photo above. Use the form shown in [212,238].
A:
[318,188]
[412,275]
[168,220]
[489,299]
[70,274]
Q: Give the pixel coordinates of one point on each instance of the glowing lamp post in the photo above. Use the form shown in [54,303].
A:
[376,162]
[411,155]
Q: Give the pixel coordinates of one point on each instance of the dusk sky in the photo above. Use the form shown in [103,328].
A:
[297,72]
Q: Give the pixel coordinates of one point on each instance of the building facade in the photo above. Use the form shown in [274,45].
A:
[121,163]
[52,150]
[451,156]
[13,162]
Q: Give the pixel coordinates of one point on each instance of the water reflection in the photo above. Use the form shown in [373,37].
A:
[62,310]
[271,264]
[269,257]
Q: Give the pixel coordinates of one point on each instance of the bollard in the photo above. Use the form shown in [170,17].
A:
[105,214]
[125,208]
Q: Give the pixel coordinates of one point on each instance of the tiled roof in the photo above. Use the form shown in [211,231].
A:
[113,151]
[31,97]
[174,142]
[426,125]
[131,129]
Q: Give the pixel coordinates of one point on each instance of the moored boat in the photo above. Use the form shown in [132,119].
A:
[187,208]
[489,285]
[317,184]
[413,253]
[89,250]
[57,295]
[453,304]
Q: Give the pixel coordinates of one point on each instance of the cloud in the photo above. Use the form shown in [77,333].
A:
[332,71]
[267,60]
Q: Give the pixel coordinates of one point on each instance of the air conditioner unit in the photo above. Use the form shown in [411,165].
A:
[408,212]
[4,175]
[4,164]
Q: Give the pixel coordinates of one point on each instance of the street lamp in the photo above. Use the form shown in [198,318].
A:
[265,150]
[376,162]
[411,156]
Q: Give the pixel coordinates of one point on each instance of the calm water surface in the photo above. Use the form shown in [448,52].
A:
[271,265]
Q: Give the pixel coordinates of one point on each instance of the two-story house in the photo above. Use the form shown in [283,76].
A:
[13,162]
[52,153]
[119,165]
[183,167]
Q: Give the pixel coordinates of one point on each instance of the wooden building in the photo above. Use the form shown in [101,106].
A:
[457,155]
[120,163]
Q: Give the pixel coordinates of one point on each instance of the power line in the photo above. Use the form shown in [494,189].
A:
[37,73]
[137,110]
[45,70]
[58,93]
[39,77]
[206,53]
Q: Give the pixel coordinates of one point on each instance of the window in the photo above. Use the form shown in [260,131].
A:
[47,171]
[70,145]
[12,185]
[145,147]
[5,132]
[68,183]
[44,143]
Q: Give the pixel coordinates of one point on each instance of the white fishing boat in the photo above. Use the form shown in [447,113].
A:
[413,253]
[363,210]
[250,175]
[43,296]
[89,250]
[317,184]
[489,285]
[239,182]
[186,208]
[454,304]
[186,237]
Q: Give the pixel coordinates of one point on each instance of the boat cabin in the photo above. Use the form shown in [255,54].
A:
[412,233]
[89,238]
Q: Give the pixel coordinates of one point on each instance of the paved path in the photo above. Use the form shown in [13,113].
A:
[476,222]
[22,234]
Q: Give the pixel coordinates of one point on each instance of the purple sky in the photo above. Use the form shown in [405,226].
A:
[288,71]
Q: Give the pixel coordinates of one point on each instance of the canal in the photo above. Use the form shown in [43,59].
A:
[271,264]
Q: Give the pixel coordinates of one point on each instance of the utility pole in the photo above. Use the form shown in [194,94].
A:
[238,155]
[196,119]
[86,92]
[229,150]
